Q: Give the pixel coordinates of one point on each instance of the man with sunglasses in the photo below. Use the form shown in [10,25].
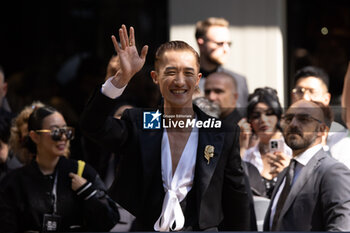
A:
[313,192]
[311,83]
[214,42]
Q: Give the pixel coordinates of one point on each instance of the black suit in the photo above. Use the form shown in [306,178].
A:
[319,200]
[233,118]
[219,187]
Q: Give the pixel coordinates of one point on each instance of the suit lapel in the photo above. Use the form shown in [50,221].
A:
[205,170]
[150,142]
[305,174]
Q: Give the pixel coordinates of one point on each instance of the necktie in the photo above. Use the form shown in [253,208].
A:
[284,193]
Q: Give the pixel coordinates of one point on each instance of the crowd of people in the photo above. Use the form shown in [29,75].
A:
[200,161]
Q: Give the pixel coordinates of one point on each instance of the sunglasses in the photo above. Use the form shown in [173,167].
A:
[57,133]
[302,118]
[300,91]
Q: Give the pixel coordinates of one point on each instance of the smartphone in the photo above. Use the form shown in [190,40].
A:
[276,145]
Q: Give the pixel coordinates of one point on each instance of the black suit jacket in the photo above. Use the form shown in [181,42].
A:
[219,187]
[233,118]
[319,199]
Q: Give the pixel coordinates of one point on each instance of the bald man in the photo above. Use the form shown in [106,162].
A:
[313,192]
[221,88]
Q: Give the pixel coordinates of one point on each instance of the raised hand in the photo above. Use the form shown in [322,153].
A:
[130,60]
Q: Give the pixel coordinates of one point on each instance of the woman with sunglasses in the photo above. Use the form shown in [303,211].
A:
[263,117]
[54,193]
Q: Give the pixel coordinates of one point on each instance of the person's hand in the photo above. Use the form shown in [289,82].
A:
[278,161]
[244,137]
[130,60]
[77,181]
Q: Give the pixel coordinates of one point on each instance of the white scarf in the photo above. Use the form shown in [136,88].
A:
[176,187]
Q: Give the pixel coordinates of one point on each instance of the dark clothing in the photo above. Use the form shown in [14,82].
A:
[256,181]
[26,195]
[253,221]
[5,105]
[269,186]
[259,185]
[319,199]
[233,118]
[10,164]
[219,187]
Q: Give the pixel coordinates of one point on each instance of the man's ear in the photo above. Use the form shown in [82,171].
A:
[324,129]
[198,78]
[154,76]
[326,98]
[34,136]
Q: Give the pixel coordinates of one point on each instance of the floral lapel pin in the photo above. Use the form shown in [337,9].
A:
[208,152]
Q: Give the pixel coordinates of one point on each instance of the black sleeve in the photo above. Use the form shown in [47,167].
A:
[100,211]
[98,124]
[236,204]
[9,221]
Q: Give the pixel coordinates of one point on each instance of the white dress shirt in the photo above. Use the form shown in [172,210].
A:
[176,187]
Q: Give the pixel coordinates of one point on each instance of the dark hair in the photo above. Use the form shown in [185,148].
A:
[327,113]
[176,45]
[308,71]
[268,96]
[35,122]
[5,126]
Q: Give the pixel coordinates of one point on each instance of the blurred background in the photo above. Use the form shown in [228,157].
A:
[58,51]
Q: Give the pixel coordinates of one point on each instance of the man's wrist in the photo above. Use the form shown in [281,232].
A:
[110,90]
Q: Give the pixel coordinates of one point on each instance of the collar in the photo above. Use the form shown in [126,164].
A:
[305,157]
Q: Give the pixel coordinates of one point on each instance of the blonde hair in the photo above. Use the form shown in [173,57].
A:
[203,25]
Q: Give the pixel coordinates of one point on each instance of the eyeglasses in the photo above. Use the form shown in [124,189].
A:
[302,118]
[221,43]
[57,133]
[302,90]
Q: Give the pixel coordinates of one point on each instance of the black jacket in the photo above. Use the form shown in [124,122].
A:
[10,164]
[26,195]
[219,192]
